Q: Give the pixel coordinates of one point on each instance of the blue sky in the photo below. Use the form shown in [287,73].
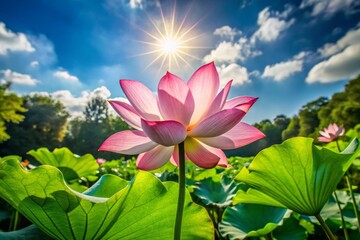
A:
[287,53]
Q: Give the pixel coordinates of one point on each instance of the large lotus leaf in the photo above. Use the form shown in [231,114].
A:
[331,208]
[297,174]
[250,220]
[290,230]
[143,209]
[331,211]
[72,166]
[218,193]
[29,232]
[252,195]
[3,159]
[200,174]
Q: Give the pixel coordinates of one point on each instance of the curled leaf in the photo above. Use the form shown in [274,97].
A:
[297,174]
[251,220]
[218,193]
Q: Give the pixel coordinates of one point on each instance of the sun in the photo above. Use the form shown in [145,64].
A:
[170,46]
[170,42]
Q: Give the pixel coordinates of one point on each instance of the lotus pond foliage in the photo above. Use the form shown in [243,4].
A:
[48,197]
[171,179]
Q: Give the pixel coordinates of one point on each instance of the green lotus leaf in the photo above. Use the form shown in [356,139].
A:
[29,232]
[298,174]
[3,159]
[290,229]
[142,209]
[310,228]
[348,212]
[200,174]
[251,220]
[218,193]
[331,211]
[331,208]
[72,166]
[252,195]
[354,235]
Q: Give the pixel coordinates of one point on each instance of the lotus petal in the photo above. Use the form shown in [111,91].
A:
[243,103]
[141,98]
[202,155]
[129,142]
[167,133]
[155,158]
[240,135]
[217,124]
[175,99]
[204,84]
[127,113]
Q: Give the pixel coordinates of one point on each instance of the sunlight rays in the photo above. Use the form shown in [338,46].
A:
[170,42]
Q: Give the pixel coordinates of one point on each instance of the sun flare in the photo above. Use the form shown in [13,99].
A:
[170,42]
[170,46]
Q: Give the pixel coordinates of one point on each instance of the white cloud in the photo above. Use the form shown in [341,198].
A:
[45,53]
[18,78]
[34,64]
[286,13]
[329,7]
[234,72]
[38,63]
[225,52]
[271,25]
[301,55]
[136,4]
[229,52]
[255,73]
[227,32]
[62,74]
[342,66]
[283,70]
[102,92]
[10,41]
[76,105]
[351,37]
[263,16]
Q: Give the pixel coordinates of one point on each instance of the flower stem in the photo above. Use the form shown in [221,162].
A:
[16,220]
[181,199]
[325,227]
[342,217]
[348,181]
[338,146]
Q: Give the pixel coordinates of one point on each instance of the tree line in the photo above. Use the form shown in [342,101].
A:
[35,121]
[40,121]
[343,108]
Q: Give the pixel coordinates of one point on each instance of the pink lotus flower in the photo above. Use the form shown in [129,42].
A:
[331,133]
[100,161]
[192,112]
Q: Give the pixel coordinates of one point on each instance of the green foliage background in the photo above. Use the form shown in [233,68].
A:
[36,127]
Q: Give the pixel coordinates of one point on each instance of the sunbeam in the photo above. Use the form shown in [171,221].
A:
[171,42]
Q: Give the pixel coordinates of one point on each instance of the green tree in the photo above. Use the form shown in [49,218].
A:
[44,126]
[281,121]
[96,110]
[308,116]
[272,131]
[343,108]
[292,130]
[11,109]
[87,134]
